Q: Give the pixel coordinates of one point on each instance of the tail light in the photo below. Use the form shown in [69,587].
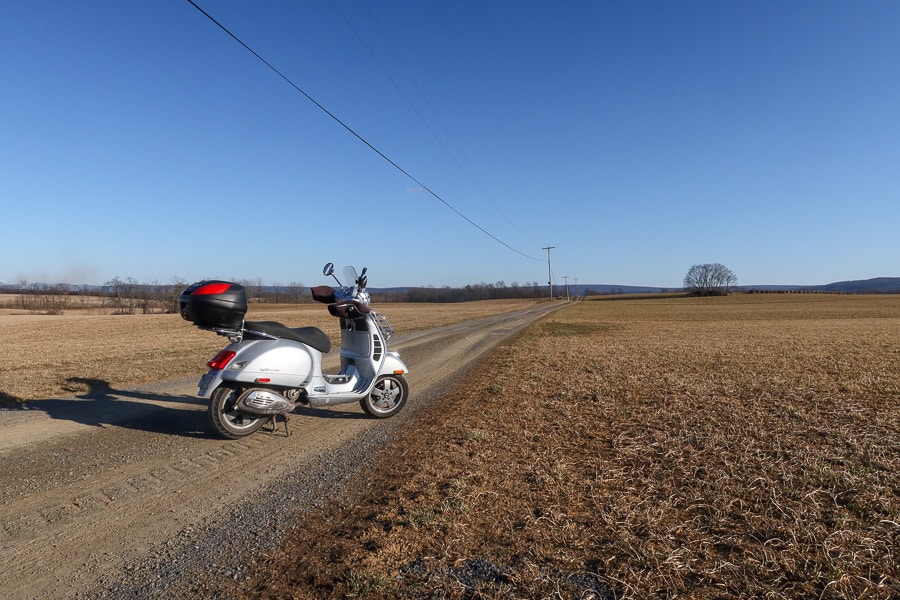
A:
[220,360]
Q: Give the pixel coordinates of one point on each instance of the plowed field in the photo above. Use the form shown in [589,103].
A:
[746,446]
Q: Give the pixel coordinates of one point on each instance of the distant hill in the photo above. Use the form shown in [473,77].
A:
[603,288]
[878,285]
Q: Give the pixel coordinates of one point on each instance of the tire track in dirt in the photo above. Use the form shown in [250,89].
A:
[90,484]
[101,519]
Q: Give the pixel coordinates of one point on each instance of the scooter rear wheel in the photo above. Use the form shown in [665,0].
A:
[226,419]
[387,396]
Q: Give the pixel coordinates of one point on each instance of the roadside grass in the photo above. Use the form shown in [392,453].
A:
[746,446]
[48,356]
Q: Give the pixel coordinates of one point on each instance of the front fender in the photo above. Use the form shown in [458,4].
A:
[393,364]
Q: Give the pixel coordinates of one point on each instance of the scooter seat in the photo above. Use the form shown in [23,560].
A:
[311,336]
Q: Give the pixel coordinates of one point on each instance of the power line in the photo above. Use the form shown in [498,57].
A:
[354,133]
[452,155]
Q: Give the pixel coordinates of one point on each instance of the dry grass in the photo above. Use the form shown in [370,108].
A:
[725,447]
[57,355]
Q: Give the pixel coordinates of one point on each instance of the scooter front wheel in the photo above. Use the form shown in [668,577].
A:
[387,396]
[226,419]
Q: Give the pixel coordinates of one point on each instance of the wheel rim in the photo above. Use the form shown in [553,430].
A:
[234,418]
[386,395]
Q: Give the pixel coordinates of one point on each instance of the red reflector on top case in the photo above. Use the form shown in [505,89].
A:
[212,288]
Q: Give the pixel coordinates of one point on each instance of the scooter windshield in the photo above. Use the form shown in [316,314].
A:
[350,276]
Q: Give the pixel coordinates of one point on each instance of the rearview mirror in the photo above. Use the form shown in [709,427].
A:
[328,271]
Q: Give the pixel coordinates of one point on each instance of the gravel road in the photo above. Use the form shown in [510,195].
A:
[128,494]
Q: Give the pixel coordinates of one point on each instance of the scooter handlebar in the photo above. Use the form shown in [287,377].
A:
[324,294]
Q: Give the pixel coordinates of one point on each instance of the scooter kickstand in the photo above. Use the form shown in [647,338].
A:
[273,422]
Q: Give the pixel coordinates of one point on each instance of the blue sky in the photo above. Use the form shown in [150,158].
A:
[638,138]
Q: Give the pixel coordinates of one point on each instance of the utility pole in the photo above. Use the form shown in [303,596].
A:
[549,272]
[566,277]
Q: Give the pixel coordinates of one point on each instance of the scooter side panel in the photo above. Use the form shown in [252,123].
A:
[281,362]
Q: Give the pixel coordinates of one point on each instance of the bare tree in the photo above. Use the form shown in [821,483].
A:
[123,294]
[252,287]
[296,291]
[710,279]
[173,291]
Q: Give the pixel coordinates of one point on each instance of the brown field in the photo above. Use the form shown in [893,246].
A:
[48,356]
[746,446]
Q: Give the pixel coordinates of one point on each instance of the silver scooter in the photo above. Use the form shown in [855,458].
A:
[268,369]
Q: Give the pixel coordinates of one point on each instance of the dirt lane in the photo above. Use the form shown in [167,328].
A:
[91,484]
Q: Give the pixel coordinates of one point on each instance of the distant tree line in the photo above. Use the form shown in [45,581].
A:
[121,296]
[478,291]
[797,291]
[43,298]
[128,296]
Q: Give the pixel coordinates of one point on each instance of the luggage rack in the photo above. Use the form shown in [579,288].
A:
[387,332]
[233,334]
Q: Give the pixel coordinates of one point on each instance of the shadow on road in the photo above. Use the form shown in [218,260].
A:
[335,412]
[96,403]
[9,401]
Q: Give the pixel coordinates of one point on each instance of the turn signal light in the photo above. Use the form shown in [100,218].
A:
[221,359]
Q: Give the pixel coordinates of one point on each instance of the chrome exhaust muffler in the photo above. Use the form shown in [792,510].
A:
[259,401]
